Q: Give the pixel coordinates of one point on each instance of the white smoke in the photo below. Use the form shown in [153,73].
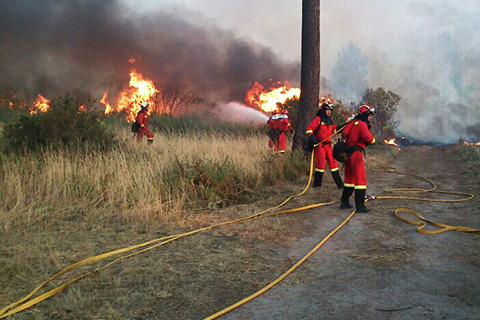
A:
[240,113]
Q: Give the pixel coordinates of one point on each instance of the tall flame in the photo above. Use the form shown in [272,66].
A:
[139,90]
[41,104]
[267,99]
[108,107]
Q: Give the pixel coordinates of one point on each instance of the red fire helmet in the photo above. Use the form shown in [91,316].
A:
[366,108]
[284,111]
[328,104]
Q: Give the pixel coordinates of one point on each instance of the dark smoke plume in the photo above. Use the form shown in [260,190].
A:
[82,47]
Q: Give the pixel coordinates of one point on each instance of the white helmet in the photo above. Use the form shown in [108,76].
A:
[144,104]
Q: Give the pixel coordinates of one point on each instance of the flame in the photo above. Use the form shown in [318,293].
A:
[139,90]
[267,100]
[108,107]
[471,143]
[82,108]
[41,104]
[391,141]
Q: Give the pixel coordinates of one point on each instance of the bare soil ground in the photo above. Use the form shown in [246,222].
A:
[376,267]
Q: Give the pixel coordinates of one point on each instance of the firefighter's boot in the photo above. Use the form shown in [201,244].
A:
[317,179]
[360,201]
[149,140]
[337,179]
[345,202]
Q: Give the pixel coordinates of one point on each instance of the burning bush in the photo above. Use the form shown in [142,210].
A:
[62,125]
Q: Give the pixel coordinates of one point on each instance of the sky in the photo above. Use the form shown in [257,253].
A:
[427,51]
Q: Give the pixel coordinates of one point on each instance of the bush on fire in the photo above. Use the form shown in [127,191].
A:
[63,125]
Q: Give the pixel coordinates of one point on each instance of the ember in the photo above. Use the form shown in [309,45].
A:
[391,141]
[41,104]
[471,143]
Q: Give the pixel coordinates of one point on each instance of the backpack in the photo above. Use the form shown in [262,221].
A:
[135,127]
[341,151]
[274,134]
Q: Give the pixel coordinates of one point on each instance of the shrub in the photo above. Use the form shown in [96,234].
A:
[63,125]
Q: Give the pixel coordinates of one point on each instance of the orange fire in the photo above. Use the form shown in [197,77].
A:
[471,143]
[41,104]
[139,90]
[108,107]
[267,99]
[391,141]
[82,108]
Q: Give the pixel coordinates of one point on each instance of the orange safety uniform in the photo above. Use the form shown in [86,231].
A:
[324,152]
[271,124]
[142,120]
[357,134]
[282,125]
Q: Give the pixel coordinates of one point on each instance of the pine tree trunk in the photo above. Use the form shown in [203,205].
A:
[310,70]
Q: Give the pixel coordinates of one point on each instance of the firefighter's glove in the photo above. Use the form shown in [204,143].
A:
[313,141]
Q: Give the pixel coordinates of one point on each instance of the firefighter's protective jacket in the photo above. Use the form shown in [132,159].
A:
[357,134]
[324,132]
[282,125]
[323,152]
[142,120]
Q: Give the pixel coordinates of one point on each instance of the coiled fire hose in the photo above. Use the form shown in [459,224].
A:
[24,303]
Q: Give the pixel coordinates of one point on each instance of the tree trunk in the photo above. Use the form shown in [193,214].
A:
[310,71]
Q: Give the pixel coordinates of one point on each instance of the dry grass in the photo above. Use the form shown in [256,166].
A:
[151,183]
[59,207]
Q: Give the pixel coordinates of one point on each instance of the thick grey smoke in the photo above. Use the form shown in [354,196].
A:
[55,47]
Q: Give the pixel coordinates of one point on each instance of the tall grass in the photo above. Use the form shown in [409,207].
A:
[155,183]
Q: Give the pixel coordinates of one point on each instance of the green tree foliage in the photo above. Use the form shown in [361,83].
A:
[348,78]
[62,125]
[385,104]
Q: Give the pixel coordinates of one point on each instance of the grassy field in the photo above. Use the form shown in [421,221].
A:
[145,183]
[60,205]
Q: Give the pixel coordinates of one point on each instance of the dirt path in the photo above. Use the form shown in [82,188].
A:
[377,267]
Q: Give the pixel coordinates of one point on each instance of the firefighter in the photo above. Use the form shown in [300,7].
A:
[357,135]
[142,121]
[272,133]
[282,125]
[319,129]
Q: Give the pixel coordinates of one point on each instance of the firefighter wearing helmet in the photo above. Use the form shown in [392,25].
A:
[279,125]
[320,129]
[142,124]
[272,134]
[357,135]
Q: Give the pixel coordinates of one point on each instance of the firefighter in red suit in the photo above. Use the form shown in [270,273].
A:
[271,124]
[319,129]
[142,120]
[357,135]
[281,125]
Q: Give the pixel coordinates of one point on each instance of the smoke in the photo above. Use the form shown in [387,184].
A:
[55,47]
[427,51]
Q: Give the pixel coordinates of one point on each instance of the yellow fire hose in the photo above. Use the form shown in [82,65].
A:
[422,224]
[23,304]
